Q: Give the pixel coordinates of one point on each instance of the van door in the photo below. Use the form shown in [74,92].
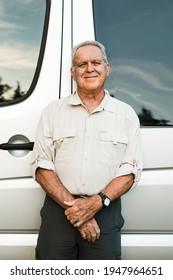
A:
[36,41]
[138,38]
[30,47]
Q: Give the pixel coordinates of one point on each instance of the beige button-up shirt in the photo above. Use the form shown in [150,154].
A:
[88,150]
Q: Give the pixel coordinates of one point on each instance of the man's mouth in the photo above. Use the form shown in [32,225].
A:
[91,77]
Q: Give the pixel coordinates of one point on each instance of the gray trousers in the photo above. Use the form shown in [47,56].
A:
[59,240]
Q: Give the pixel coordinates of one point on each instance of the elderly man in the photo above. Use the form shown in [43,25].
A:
[86,155]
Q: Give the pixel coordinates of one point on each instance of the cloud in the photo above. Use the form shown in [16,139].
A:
[137,97]
[9,25]
[16,2]
[146,76]
[24,1]
[18,57]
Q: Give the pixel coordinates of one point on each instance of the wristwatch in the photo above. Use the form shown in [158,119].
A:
[105,200]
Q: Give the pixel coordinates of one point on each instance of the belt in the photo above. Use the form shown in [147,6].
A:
[81,195]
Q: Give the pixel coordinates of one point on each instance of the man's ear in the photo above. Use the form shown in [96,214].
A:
[72,73]
[108,69]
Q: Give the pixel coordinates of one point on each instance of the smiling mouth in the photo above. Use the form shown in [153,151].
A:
[91,77]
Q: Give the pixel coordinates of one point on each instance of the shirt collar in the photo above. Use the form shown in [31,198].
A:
[106,105]
[74,99]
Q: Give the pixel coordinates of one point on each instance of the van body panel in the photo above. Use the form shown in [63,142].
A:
[145,206]
[25,198]
[22,118]
[157,146]
[147,209]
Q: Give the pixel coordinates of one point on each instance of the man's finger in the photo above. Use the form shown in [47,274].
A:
[70,203]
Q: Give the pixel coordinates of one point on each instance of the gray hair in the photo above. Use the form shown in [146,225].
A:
[92,43]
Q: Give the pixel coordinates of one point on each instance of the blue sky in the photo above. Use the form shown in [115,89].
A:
[138,38]
[21,24]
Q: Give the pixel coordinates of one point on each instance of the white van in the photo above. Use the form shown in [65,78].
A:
[35,47]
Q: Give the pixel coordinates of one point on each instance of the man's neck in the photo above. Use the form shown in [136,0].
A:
[91,100]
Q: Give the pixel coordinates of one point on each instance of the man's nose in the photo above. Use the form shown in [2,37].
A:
[90,67]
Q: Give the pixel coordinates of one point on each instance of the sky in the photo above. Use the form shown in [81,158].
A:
[138,38]
[21,25]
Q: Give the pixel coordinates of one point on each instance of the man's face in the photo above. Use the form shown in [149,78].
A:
[89,71]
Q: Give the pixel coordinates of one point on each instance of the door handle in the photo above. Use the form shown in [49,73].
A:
[20,146]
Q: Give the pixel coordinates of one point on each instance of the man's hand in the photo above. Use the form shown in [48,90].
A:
[90,230]
[82,210]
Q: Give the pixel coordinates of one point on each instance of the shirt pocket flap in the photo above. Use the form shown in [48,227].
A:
[114,137]
[65,133]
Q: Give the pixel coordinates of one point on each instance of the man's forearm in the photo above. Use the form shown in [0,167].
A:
[85,209]
[119,186]
[52,185]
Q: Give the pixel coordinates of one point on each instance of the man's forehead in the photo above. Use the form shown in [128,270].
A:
[88,50]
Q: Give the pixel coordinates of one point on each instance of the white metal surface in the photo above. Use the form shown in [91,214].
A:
[21,198]
[141,246]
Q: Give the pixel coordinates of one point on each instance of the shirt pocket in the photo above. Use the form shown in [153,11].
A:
[112,147]
[64,144]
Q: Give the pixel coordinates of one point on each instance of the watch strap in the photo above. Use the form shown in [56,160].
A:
[104,198]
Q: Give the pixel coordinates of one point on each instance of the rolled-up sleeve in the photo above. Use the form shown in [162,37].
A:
[43,151]
[132,160]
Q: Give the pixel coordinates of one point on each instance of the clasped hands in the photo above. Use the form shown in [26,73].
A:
[80,213]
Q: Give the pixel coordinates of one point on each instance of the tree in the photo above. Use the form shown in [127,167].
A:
[17,92]
[3,89]
[146,118]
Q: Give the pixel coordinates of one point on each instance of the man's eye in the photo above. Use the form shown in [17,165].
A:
[81,64]
[96,62]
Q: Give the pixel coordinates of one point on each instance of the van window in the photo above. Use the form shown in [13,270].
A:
[138,37]
[21,28]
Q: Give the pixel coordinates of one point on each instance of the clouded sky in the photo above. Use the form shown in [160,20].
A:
[139,41]
[21,25]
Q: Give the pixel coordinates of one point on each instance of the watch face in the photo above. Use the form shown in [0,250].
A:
[106,201]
